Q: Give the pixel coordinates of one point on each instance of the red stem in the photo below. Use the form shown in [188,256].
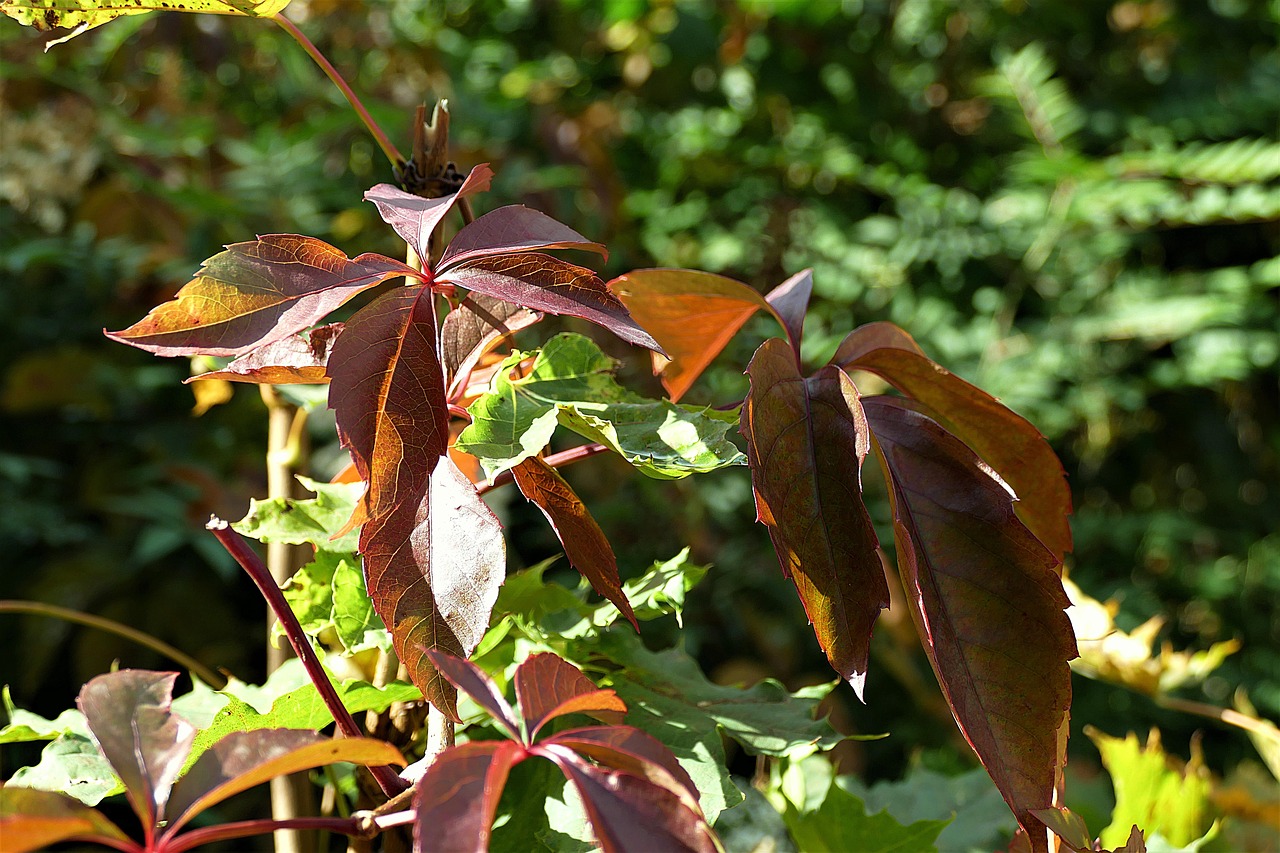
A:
[249,560]
[241,829]
[555,460]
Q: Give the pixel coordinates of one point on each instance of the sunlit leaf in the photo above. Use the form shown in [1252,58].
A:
[790,302]
[71,764]
[806,441]
[34,820]
[473,681]
[415,218]
[473,329]
[25,726]
[584,542]
[543,283]
[510,230]
[1004,439]
[83,15]
[457,798]
[547,687]
[298,521]
[635,752]
[256,293]
[987,600]
[297,360]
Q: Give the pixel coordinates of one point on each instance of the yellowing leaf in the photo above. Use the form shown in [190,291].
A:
[84,15]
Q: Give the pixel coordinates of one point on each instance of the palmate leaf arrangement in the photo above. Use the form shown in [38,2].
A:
[979,502]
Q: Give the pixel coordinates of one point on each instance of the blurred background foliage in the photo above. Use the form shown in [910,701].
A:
[1074,206]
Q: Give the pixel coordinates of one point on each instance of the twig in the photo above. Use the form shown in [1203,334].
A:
[555,460]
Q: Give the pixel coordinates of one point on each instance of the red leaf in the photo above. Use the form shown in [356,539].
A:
[628,813]
[986,599]
[129,714]
[806,440]
[789,301]
[299,359]
[692,314]
[387,395]
[1005,440]
[35,820]
[473,681]
[636,752]
[548,687]
[457,798]
[584,542]
[544,283]
[414,218]
[433,569]
[256,293]
[474,328]
[513,229]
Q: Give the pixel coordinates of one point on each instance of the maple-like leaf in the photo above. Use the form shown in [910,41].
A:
[256,293]
[510,230]
[472,330]
[299,359]
[806,441]
[415,218]
[987,600]
[1004,439]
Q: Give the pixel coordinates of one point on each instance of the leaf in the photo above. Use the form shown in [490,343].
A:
[354,618]
[659,591]
[128,713]
[789,302]
[1004,440]
[433,569]
[571,382]
[841,824]
[692,314]
[511,230]
[243,760]
[73,765]
[34,820]
[474,682]
[547,687]
[299,359]
[628,813]
[584,542]
[1067,825]
[310,592]
[987,600]
[806,441]
[257,293]
[473,329]
[457,798]
[84,15]
[415,218]
[25,726]
[387,394]
[297,521]
[635,752]
[543,283]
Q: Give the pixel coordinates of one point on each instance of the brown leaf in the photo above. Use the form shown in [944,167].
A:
[585,544]
[692,314]
[256,293]
[547,687]
[789,302]
[457,798]
[299,359]
[806,441]
[1004,440]
[987,601]
[474,328]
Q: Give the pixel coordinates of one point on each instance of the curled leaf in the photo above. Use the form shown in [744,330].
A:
[299,359]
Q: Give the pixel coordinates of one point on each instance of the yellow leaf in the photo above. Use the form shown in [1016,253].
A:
[210,393]
[83,15]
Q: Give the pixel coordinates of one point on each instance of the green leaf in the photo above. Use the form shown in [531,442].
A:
[25,726]
[841,824]
[357,624]
[657,592]
[312,521]
[84,15]
[571,382]
[310,592]
[73,765]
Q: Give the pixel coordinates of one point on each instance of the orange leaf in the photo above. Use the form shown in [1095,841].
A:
[297,360]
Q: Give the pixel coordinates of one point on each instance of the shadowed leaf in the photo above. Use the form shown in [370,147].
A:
[692,314]
[547,687]
[633,751]
[987,600]
[34,820]
[473,681]
[806,441]
[297,360]
[544,283]
[842,823]
[84,15]
[256,293]
[790,301]
[512,229]
[72,764]
[1004,440]
[457,798]
[414,218]
[473,329]
[128,713]
[584,542]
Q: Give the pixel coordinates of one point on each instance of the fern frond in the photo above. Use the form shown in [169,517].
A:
[1026,79]
[1240,161]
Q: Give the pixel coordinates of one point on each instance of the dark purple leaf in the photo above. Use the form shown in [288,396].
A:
[414,218]
[790,301]
[473,329]
[512,229]
[473,681]
[457,798]
[548,687]
[636,752]
[299,359]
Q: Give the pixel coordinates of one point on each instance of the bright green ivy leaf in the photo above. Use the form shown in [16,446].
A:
[71,765]
[571,383]
[841,824]
[310,592]
[313,521]
[82,15]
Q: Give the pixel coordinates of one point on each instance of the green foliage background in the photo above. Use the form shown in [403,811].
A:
[1075,206]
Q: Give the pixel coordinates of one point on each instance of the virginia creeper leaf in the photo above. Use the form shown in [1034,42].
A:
[790,301]
[1004,440]
[128,713]
[543,283]
[692,314]
[635,752]
[474,328]
[83,15]
[571,382]
[547,686]
[987,600]
[415,218]
[584,542]
[473,681]
[511,230]
[457,798]
[387,394]
[806,441]
[433,569]
[256,293]
[243,760]
[34,820]
[296,360]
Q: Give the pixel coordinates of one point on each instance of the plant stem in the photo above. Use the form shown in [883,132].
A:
[208,676]
[243,829]
[248,559]
[1227,716]
[555,460]
[388,149]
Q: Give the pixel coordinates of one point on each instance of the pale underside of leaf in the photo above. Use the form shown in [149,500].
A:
[513,229]
[299,359]
[473,329]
